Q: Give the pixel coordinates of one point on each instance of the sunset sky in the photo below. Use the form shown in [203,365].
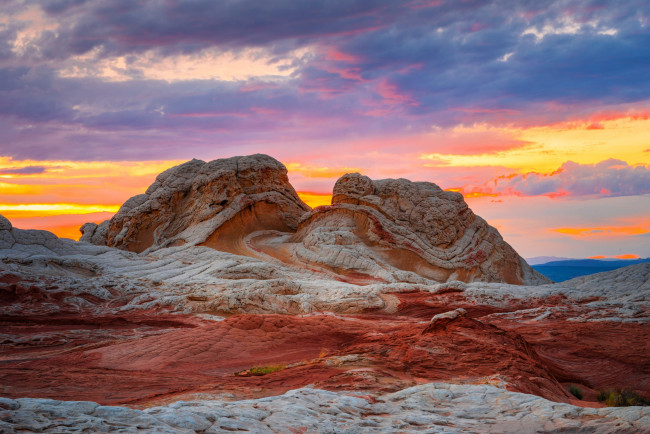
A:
[537,111]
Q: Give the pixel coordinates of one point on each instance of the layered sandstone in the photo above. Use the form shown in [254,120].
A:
[389,231]
[215,203]
[397,230]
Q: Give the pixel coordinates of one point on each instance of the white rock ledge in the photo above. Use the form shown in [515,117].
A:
[433,408]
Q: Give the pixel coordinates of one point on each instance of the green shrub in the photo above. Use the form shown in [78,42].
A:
[575,391]
[261,370]
[621,398]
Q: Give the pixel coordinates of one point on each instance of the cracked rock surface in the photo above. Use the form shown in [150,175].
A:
[430,408]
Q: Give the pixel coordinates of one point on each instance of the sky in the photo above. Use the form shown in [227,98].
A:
[537,111]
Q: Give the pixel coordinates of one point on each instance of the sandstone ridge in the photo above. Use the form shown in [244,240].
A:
[383,231]
[397,230]
[216,203]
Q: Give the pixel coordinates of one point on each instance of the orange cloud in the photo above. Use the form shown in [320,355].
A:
[49,209]
[627,256]
[472,194]
[311,171]
[602,231]
[315,199]
[606,178]
[544,148]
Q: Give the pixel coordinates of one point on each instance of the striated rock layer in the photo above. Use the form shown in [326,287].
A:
[390,230]
[395,230]
[215,203]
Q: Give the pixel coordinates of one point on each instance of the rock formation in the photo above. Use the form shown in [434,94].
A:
[215,203]
[442,320]
[397,230]
[434,407]
[220,269]
[390,230]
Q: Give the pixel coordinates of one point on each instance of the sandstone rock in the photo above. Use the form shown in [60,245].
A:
[48,278]
[441,320]
[352,284]
[434,407]
[398,230]
[215,203]
[94,233]
[389,231]
[5,224]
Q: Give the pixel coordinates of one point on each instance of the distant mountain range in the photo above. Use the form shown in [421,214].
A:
[561,269]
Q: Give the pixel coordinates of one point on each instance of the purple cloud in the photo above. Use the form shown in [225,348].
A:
[27,170]
[609,178]
[373,68]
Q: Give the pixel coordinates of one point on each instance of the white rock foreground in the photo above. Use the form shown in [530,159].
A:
[433,408]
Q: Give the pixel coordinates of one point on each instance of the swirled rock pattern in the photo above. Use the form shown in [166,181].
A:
[396,230]
[215,203]
[390,230]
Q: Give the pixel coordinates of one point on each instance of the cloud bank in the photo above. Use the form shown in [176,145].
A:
[609,178]
[222,76]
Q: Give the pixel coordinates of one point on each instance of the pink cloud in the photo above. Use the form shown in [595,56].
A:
[390,92]
[605,179]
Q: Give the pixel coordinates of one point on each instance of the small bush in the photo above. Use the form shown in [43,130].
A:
[621,398]
[575,391]
[260,370]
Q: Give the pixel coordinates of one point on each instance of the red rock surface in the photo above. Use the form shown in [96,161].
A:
[142,358]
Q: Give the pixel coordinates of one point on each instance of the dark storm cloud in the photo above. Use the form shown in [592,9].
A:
[33,95]
[124,26]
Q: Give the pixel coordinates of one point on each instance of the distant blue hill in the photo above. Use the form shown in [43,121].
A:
[560,271]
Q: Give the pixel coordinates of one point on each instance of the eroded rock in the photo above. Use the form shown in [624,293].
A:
[435,407]
[398,230]
[215,203]
[5,224]
[441,320]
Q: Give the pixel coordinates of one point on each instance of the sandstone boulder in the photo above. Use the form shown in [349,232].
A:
[5,224]
[398,230]
[441,320]
[198,203]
